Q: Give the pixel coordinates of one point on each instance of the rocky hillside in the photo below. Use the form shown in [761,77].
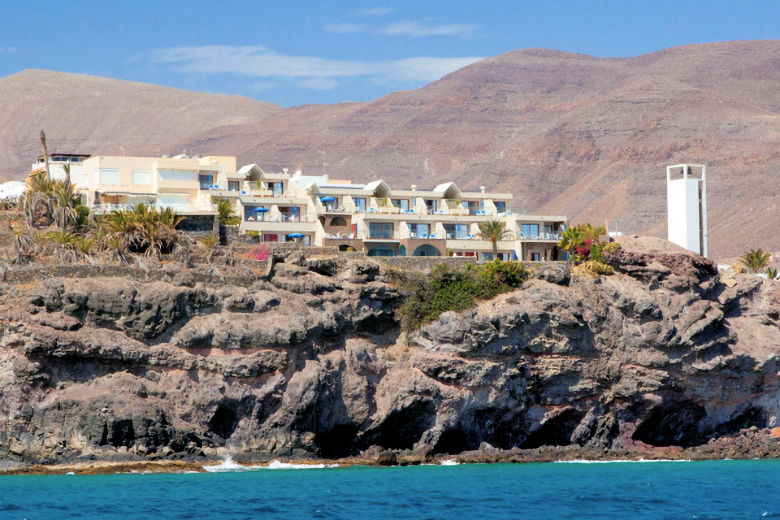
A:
[86,114]
[566,133]
[664,355]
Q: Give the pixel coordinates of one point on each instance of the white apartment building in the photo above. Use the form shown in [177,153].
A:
[57,163]
[317,210]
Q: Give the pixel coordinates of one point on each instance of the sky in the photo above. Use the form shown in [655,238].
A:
[293,53]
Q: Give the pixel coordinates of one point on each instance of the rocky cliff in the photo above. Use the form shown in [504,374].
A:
[311,363]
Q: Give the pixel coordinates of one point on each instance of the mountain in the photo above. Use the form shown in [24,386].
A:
[86,114]
[566,133]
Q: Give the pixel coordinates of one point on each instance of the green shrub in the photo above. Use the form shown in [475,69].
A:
[453,289]
[81,218]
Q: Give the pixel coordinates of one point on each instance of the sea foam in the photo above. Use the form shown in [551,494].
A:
[228,464]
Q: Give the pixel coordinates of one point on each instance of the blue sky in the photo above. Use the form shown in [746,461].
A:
[294,53]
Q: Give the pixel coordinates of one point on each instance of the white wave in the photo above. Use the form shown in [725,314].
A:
[276,464]
[70,473]
[449,462]
[227,464]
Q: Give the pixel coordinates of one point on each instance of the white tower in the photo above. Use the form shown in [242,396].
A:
[686,199]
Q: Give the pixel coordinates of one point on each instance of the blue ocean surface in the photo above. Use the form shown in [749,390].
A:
[657,490]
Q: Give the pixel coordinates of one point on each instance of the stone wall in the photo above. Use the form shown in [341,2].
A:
[168,273]
[421,263]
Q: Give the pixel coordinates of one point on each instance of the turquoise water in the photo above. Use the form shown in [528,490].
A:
[657,490]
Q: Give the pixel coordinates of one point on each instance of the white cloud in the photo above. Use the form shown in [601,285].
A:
[345,28]
[374,11]
[405,28]
[418,29]
[307,71]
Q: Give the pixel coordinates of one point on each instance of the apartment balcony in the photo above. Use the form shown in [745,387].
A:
[179,209]
[378,237]
[478,244]
[337,210]
[543,237]
[279,217]
[271,226]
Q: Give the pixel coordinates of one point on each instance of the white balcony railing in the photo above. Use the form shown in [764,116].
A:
[279,217]
[177,208]
[542,236]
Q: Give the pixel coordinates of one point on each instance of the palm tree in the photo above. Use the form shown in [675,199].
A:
[226,215]
[590,232]
[755,259]
[494,230]
[770,273]
[38,202]
[571,238]
[62,195]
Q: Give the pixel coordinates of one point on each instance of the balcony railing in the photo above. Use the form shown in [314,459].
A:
[177,208]
[279,217]
[542,236]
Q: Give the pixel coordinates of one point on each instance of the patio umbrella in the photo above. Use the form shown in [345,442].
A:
[327,199]
[296,235]
[260,210]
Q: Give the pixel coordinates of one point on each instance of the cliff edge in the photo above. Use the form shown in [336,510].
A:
[666,354]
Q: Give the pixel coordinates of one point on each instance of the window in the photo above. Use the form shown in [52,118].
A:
[473,206]
[500,206]
[142,177]
[254,213]
[536,257]
[276,188]
[338,221]
[418,230]
[380,230]
[177,175]
[530,231]
[205,181]
[360,204]
[431,205]
[234,185]
[381,251]
[449,231]
[403,204]
[108,176]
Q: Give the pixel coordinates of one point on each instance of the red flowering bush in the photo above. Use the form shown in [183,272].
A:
[260,252]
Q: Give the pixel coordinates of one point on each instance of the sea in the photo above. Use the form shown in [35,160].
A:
[577,490]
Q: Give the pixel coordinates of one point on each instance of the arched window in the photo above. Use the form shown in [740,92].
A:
[338,221]
[426,250]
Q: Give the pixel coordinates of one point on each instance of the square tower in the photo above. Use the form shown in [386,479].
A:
[686,206]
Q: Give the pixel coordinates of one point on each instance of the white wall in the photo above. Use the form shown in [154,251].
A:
[683,213]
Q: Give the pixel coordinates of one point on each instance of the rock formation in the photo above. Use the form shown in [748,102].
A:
[311,363]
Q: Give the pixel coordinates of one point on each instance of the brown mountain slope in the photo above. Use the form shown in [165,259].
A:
[567,133]
[85,114]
